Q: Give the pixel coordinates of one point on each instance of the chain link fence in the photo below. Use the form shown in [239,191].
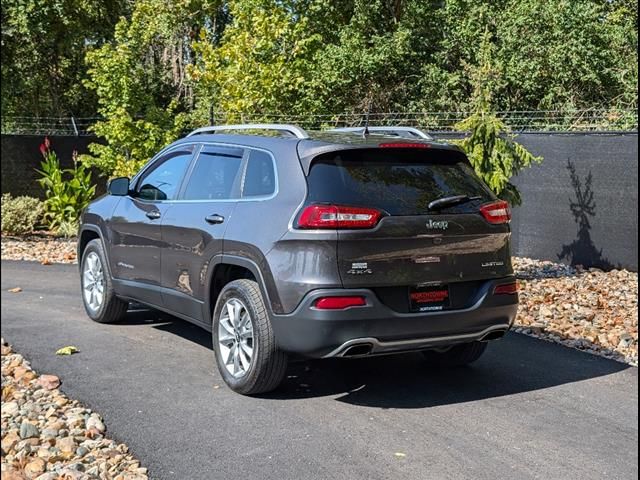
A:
[588,120]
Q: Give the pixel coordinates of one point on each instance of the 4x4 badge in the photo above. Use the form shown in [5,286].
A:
[439,225]
[359,268]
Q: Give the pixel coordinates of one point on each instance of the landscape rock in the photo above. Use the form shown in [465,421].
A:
[591,310]
[28,430]
[47,436]
[49,382]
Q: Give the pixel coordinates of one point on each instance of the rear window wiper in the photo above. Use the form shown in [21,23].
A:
[451,200]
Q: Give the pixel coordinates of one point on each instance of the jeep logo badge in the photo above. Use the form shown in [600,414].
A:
[441,225]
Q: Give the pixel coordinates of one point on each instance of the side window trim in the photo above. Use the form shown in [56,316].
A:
[187,175]
[237,184]
[244,174]
[153,162]
[243,169]
[156,162]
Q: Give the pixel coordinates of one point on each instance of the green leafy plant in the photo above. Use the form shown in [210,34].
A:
[67,191]
[490,145]
[20,215]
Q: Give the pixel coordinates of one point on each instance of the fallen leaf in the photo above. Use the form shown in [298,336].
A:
[399,454]
[15,290]
[69,256]
[45,261]
[67,350]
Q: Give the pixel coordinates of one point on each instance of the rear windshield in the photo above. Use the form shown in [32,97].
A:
[399,182]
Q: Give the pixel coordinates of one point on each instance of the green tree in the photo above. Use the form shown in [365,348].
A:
[141,82]
[490,146]
[43,47]
[260,64]
[556,54]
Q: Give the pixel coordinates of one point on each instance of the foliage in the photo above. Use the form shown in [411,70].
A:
[67,191]
[43,47]
[259,64]
[20,215]
[164,64]
[489,145]
[167,58]
[139,79]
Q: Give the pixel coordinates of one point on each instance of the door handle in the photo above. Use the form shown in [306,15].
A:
[153,214]
[214,219]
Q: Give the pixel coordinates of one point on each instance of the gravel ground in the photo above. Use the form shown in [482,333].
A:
[39,248]
[587,309]
[47,436]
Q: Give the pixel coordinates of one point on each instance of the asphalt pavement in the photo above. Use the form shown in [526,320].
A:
[526,409]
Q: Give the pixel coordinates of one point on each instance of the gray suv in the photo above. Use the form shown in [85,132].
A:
[284,243]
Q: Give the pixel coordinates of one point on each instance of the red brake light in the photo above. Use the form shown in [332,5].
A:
[506,289]
[404,145]
[496,212]
[339,303]
[337,216]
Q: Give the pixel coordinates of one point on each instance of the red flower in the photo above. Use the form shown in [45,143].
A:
[43,149]
[47,142]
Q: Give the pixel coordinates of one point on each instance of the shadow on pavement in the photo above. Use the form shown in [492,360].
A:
[513,365]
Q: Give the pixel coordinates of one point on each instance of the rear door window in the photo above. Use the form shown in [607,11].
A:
[399,182]
[215,175]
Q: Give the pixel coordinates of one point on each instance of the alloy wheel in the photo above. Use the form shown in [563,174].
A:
[235,337]
[93,281]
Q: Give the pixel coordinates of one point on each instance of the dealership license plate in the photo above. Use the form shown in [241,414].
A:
[429,299]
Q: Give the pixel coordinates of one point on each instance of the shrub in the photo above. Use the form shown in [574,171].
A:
[20,215]
[67,229]
[67,191]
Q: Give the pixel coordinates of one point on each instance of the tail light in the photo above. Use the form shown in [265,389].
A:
[339,303]
[496,212]
[404,145]
[506,289]
[336,216]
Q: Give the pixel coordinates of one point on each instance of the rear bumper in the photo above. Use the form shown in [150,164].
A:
[329,333]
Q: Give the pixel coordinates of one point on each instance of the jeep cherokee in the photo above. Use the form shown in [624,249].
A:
[320,244]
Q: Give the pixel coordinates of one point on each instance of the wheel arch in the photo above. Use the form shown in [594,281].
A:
[231,267]
[86,234]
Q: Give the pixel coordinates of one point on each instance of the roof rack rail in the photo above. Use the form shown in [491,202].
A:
[405,132]
[292,129]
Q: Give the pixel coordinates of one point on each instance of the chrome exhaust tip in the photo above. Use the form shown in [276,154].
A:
[358,350]
[495,335]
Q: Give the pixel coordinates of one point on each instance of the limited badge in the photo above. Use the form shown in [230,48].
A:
[492,264]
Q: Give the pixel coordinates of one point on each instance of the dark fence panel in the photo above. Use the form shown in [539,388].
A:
[21,157]
[580,206]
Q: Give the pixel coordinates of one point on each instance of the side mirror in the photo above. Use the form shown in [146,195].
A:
[118,186]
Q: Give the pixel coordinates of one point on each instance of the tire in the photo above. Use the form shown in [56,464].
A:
[110,309]
[458,355]
[267,365]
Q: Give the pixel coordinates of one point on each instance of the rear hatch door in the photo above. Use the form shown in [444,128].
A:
[412,245]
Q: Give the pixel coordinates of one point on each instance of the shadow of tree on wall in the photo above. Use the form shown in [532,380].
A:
[582,251]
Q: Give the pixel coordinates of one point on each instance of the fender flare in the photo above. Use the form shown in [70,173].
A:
[95,229]
[223,259]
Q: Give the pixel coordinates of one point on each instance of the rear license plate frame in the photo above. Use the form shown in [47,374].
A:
[429,298]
